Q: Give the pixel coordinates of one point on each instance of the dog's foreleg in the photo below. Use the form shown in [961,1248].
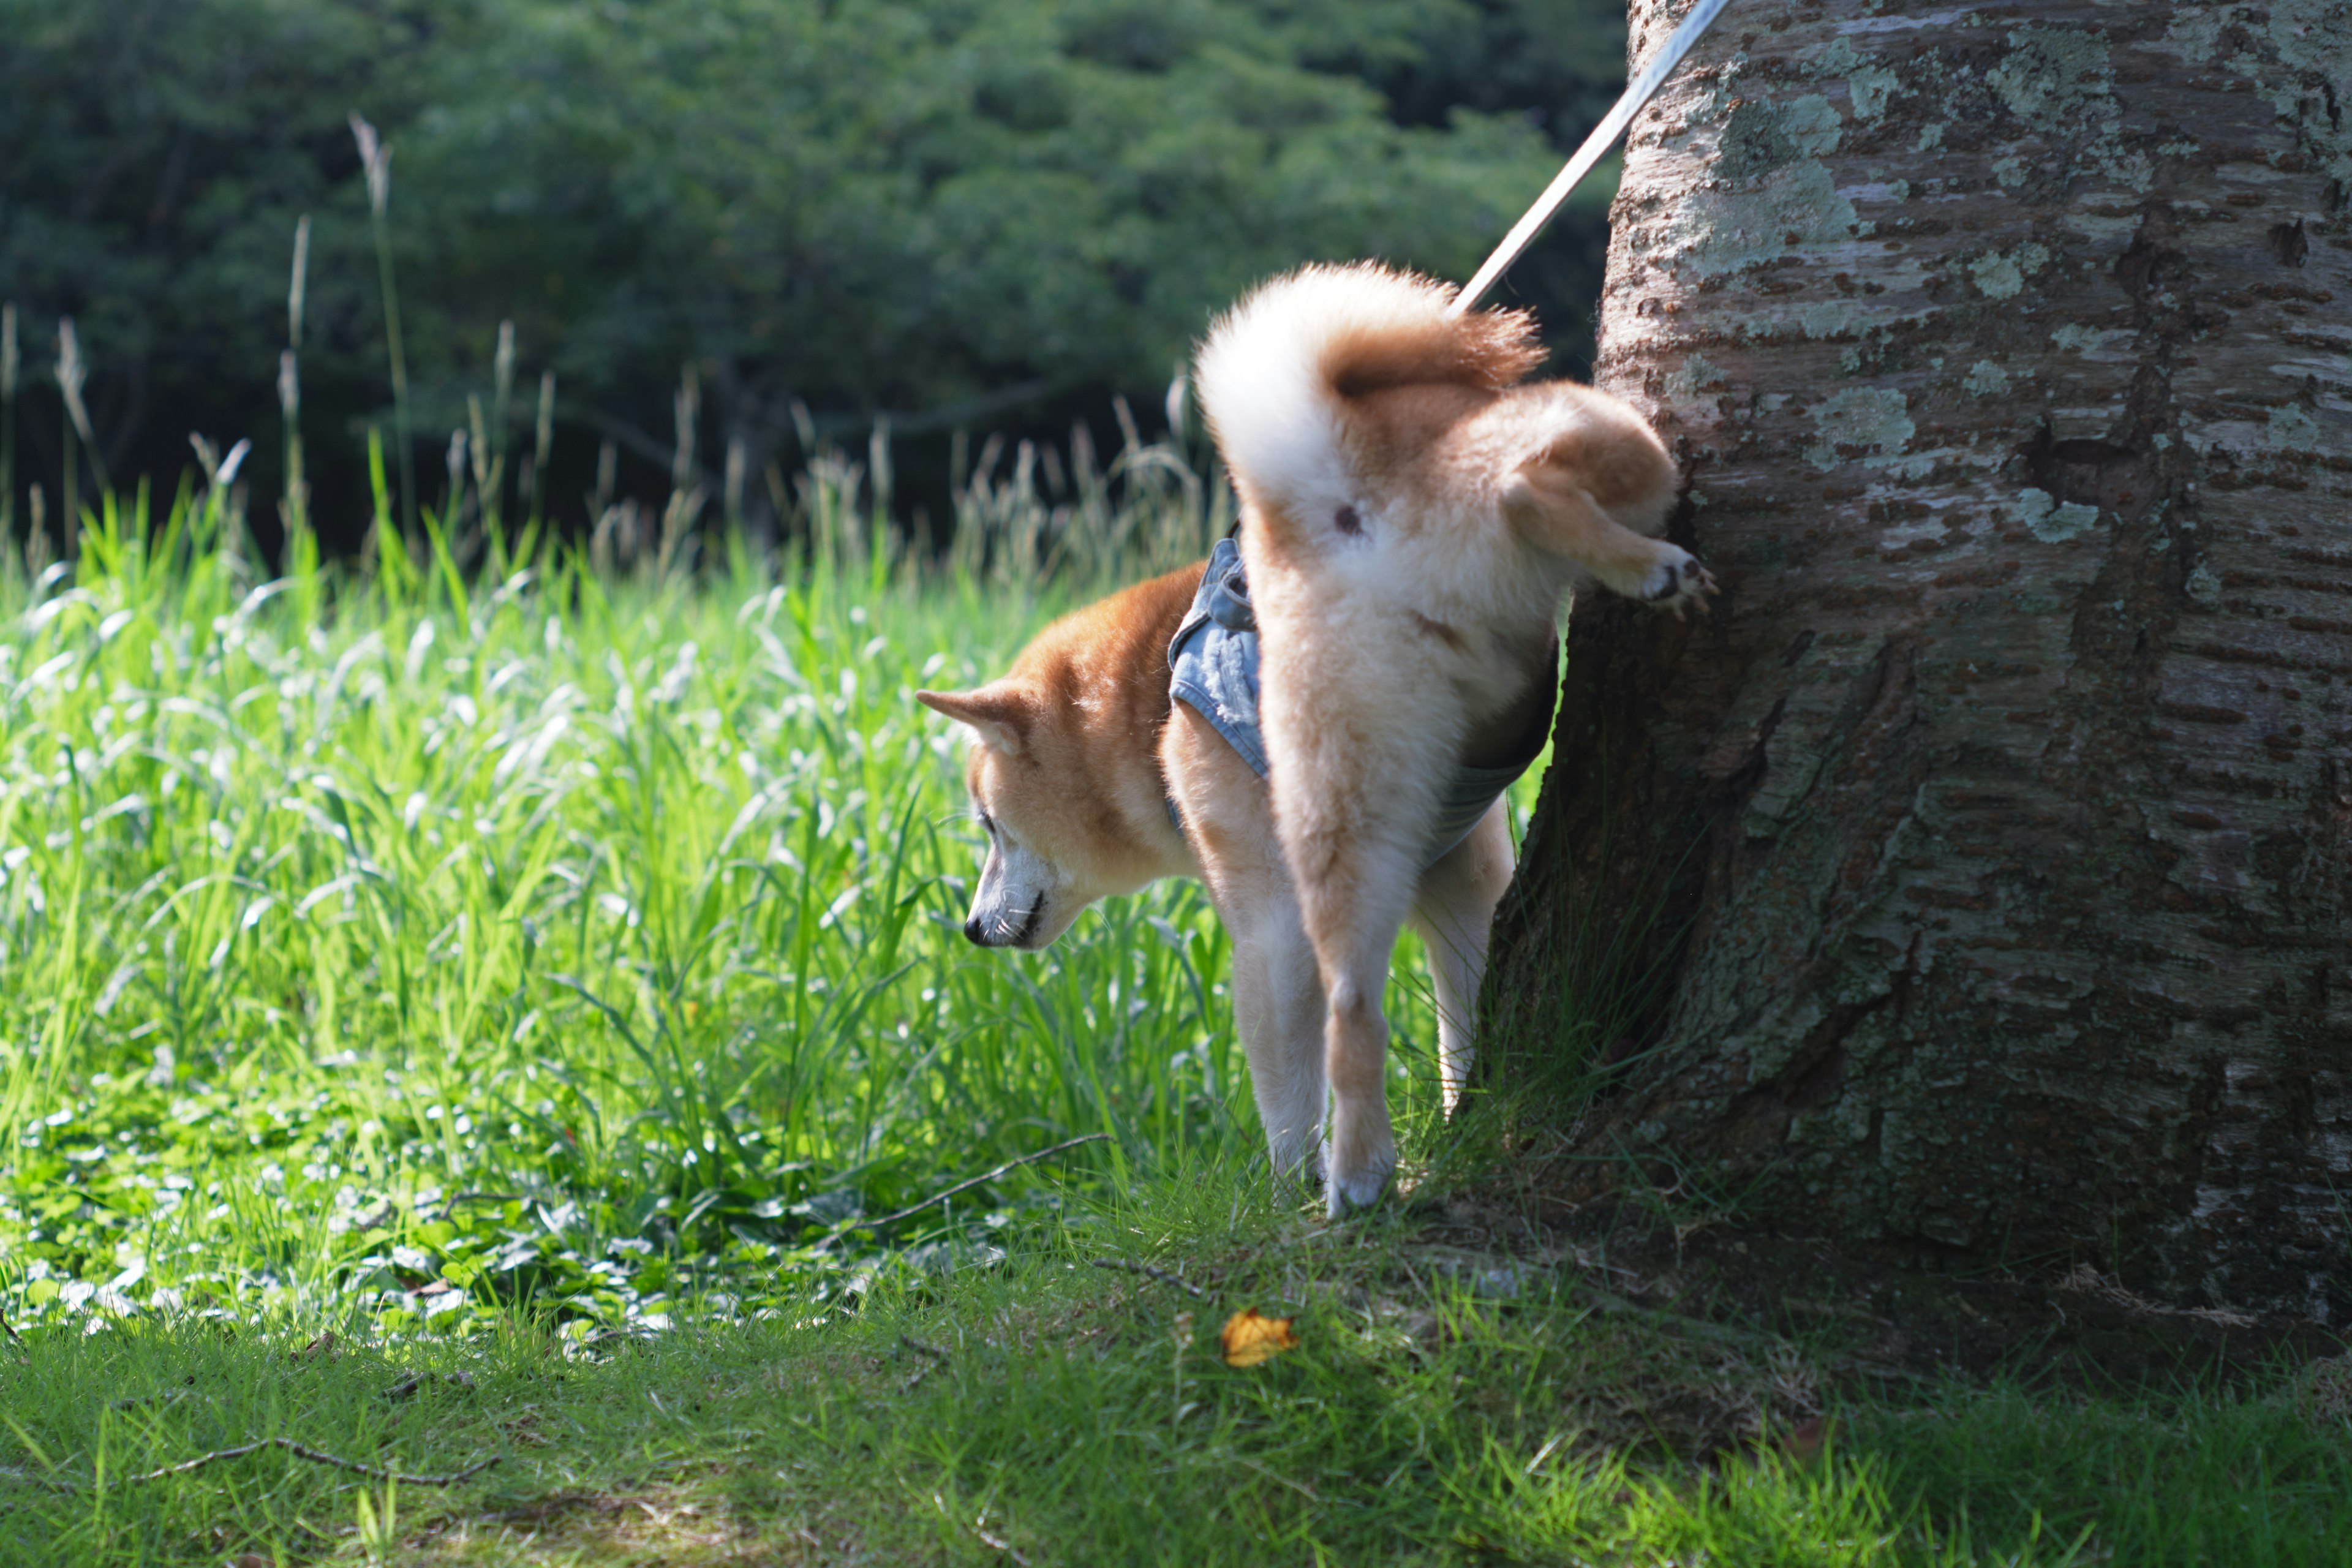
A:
[1277,997]
[1454,914]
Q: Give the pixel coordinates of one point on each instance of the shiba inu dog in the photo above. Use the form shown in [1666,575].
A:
[1414,512]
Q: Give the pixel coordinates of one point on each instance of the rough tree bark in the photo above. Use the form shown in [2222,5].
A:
[2001,815]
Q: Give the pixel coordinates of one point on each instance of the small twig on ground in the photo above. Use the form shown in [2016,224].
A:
[410,1382]
[919,1348]
[982,1180]
[317,1457]
[1000,1545]
[1149,1272]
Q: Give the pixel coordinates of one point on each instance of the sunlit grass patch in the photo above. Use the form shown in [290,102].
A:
[394,951]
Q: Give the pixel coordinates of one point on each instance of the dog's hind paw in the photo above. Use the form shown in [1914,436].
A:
[1347,1190]
[1679,583]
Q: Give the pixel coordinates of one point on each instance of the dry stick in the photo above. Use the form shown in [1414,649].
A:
[411,1381]
[316,1456]
[1149,1272]
[961,1187]
[1000,1545]
[919,1348]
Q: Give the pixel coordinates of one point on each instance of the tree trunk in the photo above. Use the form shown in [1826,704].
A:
[1986,859]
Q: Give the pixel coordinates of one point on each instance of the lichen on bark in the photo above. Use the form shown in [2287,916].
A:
[2000,820]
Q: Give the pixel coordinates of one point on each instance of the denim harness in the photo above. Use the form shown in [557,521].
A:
[1213,669]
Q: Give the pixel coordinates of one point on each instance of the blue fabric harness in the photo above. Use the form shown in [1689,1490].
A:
[1213,669]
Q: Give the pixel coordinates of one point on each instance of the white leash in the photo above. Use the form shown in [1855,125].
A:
[1638,91]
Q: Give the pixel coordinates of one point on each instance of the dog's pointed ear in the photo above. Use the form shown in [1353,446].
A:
[999,714]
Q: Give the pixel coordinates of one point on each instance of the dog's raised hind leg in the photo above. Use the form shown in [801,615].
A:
[1455,913]
[1550,501]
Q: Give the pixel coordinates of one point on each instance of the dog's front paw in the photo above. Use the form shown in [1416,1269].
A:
[1299,1154]
[1677,582]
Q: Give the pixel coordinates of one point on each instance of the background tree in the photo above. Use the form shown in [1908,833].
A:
[986,213]
[2001,815]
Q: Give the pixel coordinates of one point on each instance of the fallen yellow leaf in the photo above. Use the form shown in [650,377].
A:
[1250,1337]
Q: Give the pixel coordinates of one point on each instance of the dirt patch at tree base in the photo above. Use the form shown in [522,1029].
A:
[1879,1314]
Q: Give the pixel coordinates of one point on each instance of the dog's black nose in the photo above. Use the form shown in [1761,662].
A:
[972,932]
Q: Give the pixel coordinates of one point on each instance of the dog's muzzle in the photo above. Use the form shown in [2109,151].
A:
[1005,933]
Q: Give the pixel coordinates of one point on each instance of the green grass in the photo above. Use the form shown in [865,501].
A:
[532,972]
[538,934]
[1073,1416]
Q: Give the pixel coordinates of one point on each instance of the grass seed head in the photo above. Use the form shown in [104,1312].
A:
[296,288]
[73,374]
[502,363]
[376,159]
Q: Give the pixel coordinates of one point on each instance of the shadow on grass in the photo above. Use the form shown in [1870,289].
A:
[1454,1397]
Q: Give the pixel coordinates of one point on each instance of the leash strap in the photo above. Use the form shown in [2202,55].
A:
[1638,91]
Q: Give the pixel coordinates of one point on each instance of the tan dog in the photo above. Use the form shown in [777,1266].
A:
[1415,514]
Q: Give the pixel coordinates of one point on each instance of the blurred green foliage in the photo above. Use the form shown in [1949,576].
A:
[958,212]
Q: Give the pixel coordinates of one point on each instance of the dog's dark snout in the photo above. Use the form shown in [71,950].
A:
[972,932]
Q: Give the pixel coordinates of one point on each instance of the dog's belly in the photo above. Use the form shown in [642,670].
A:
[1500,736]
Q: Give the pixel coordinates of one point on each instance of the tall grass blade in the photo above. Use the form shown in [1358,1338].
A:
[376,159]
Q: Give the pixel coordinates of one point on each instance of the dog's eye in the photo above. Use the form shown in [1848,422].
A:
[988,825]
[1349,520]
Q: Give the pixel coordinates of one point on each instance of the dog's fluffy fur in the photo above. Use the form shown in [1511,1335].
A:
[1415,513]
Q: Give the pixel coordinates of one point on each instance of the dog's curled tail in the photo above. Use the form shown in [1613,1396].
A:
[1277,369]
